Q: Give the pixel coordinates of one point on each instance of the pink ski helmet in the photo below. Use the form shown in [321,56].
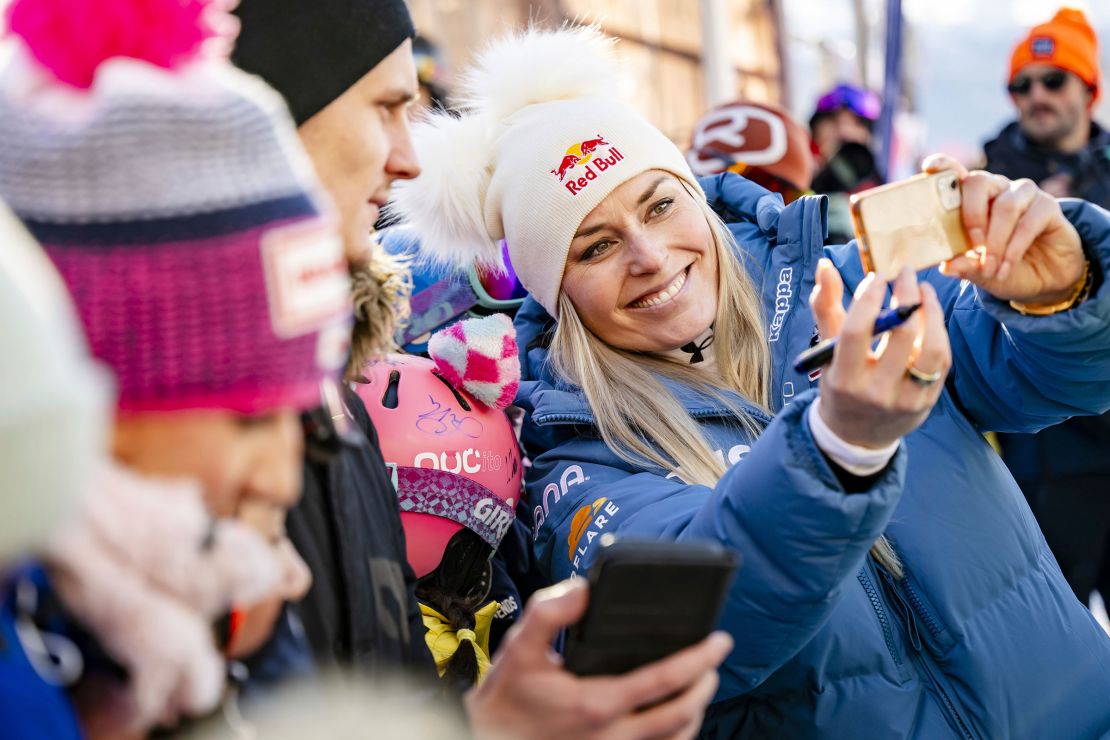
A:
[455,462]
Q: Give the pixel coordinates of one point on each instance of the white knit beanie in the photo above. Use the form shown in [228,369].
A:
[542,141]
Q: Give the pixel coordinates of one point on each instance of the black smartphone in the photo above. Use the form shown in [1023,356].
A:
[648,599]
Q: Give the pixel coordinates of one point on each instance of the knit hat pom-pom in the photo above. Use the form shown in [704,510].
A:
[444,204]
[538,66]
[72,38]
[479,356]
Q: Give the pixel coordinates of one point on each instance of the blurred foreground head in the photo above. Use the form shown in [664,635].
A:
[172,194]
[760,141]
[54,411]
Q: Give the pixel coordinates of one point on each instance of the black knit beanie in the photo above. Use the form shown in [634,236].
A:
[312,51]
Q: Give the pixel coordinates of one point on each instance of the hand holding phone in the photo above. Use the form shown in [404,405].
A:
[648,599]
[663,699]
[916,222]
[1025,249]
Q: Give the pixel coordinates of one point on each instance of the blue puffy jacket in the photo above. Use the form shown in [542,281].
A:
[983,638]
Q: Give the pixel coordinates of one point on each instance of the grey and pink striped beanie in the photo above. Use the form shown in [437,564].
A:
[172,194]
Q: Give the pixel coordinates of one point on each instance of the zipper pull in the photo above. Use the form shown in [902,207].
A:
[904,609]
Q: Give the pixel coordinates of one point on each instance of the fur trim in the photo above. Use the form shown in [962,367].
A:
[537,66]
[380,291]
[444,205]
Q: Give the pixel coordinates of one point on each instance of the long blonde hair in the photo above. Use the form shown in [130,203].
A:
[630,402]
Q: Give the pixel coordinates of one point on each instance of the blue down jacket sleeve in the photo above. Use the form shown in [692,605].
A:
[780,507]
[1016,373]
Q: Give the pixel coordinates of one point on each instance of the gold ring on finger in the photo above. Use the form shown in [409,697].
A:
[920,377]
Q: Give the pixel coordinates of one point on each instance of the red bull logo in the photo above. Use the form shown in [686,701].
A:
[586,524]
[589,162]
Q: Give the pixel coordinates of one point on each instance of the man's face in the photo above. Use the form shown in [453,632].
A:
[1048,116]
[360,144]
[837,129]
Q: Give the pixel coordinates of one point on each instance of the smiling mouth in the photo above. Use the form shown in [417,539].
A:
[666,295]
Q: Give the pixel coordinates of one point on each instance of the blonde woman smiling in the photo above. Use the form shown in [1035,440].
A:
[894,583]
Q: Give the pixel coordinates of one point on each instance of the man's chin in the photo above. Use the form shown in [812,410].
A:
[1046,135]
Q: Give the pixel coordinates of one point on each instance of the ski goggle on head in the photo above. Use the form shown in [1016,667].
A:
[473,290]
[863,103]
[497,289]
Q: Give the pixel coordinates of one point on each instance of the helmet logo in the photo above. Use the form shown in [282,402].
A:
[745,134]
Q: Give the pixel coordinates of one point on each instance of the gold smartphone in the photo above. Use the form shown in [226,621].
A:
[916,222]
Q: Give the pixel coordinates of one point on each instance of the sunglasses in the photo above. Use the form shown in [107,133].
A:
[1052,81]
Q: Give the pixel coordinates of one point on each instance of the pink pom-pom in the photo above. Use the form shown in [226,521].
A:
[480,357]
[72,38]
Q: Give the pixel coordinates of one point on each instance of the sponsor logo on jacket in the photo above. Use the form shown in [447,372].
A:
[736,453]
[586,525]
[572,476]
[507,608]
[784,294]
[584,161]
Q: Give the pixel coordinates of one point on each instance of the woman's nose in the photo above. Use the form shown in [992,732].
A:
[647,255]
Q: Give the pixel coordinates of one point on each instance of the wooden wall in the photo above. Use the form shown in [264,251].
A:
[659,39]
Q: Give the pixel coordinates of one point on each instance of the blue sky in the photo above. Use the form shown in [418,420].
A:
[958,61]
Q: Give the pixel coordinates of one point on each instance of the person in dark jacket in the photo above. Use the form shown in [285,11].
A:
[360,611]
[894,583]
[1064,470]
[346,69]
[842,127]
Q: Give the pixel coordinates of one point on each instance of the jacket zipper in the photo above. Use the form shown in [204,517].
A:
[919,607]
[880,612]
[908,616]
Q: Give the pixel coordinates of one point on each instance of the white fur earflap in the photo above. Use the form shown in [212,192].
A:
[444,205]
[536,66]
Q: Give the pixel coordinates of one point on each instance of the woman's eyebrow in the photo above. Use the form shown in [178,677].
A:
[644,197]
[589,231]
[651,190]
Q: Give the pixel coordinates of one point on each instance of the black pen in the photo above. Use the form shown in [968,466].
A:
[821,354]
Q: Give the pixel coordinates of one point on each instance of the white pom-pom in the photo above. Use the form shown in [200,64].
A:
[536,66]
[443,206]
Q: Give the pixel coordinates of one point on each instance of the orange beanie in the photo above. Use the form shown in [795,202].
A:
[1067,41]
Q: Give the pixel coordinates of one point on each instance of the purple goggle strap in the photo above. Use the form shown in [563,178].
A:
[436,305]
[454,497]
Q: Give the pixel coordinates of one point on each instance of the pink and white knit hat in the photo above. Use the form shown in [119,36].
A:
[172,194]
[480,356]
